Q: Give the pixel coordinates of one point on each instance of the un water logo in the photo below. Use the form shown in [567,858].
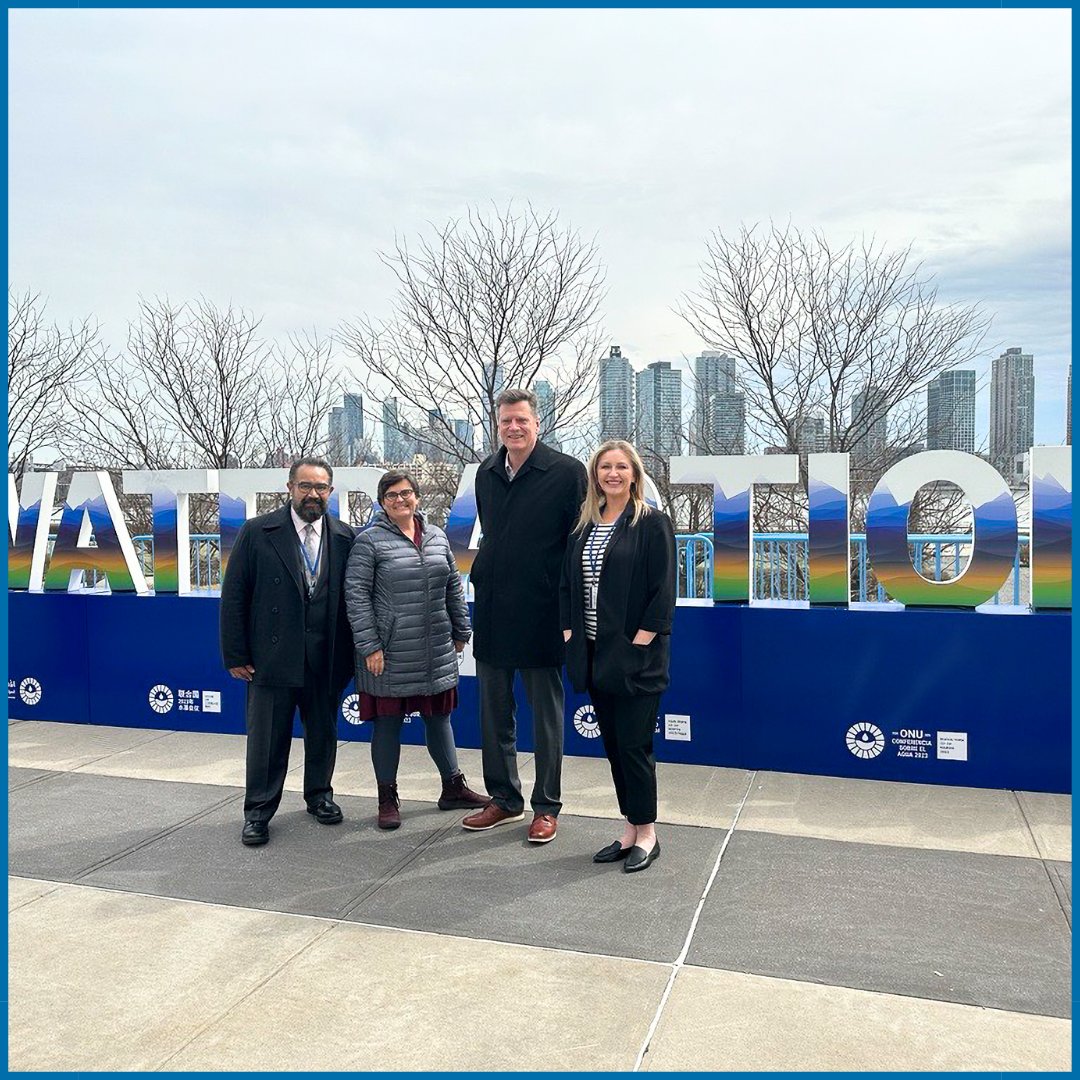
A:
[350,708]
[585,722]
[30,691]
[865,740]
[161,698]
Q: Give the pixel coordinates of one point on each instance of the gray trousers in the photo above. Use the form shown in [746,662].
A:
[498,731]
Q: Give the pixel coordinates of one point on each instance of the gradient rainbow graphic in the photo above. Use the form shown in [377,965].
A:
[86,512]
[232,513]
[29,513]
[166,542]
[461,521]
[1051,527]
[830,542]
[994,530]
[731,544]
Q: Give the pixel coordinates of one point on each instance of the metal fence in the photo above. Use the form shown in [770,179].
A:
[780,564]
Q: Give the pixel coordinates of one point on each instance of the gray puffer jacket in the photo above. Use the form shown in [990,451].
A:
[410,604]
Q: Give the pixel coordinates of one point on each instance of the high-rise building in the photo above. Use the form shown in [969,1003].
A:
[810,434]
[338,447]
[869,432]
[718,424]
[950,412]
[616,396]
[545,403]
[463,436]
[397,445]
[659,410]
[1012,412]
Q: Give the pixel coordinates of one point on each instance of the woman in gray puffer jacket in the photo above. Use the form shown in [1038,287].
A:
[409,621]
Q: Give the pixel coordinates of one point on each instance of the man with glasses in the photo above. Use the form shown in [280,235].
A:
[528,498]
[284,632]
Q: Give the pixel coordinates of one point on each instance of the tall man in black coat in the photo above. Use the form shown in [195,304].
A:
[528,497]
[284,631]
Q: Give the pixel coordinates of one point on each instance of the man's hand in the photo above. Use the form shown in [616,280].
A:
[375,663]
[459,646]
[567,635]
[644,637]
[244,671]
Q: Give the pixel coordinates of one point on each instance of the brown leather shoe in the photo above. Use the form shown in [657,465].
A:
[489,817]
[389,817]
[543,828]
[457,795]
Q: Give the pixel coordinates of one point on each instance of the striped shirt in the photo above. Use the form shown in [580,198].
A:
[592,561]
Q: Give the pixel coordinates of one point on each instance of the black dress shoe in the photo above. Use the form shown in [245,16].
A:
[639,859]
[255,833]
[612,853]
[326,811]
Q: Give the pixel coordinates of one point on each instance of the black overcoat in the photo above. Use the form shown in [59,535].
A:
[263,597]
[636,592]
[515,575]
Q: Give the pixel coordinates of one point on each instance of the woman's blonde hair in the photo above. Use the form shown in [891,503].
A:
[594,497]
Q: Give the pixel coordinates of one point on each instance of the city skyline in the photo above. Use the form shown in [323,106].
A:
[278,195]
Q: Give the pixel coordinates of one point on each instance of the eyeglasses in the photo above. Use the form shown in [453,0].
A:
[307,487]
[404,496]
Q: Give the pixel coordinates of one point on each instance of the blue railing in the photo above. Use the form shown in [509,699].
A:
[780,571]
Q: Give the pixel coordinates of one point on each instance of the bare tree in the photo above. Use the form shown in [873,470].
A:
[200,388]
[833,344]
[46,365]
[487,302]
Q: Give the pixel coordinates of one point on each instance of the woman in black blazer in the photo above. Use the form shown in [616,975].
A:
[617,600]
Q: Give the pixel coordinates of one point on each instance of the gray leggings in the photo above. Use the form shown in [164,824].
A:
[386,746]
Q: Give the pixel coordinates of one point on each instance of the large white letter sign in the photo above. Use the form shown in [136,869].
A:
[168,491]
[238,491]
[29,515]
[733,478]
[351,478]
[993,546]
[92,509]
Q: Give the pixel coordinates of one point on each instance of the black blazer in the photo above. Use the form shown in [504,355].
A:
[526,524]
[636,592]
[263,598]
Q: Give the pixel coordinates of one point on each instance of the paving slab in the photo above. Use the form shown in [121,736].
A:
[306,868]
[496,885]
[195,757]
[726,1021]
[1061,878]
[18,778]
[955,926]
[63,826]
[1050,818]
[686,794]
[23,891]
[402,1001]
[43,744]
[131,979]
[872,812]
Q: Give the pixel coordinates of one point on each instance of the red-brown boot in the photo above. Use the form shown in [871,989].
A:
[457,795]
[389,818]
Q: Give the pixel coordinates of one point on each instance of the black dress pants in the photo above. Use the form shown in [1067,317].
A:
[270,712]
[626,726]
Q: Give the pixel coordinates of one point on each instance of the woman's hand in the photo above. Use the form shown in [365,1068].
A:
[644,637]
[567,635]
[459,646]
[376,663]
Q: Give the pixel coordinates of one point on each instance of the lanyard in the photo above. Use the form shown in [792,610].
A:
[313,568]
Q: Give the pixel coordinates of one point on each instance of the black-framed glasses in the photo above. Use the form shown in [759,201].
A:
[307,487]
[402,496]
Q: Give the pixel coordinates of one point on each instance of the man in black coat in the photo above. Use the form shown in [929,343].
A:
[528,498]
[284,631]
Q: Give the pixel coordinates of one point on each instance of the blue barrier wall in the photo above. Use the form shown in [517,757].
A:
[948,697]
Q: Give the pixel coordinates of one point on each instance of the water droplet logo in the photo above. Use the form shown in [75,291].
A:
[161,698]
[865,740]
[30,691]
[585,723]
[350,709]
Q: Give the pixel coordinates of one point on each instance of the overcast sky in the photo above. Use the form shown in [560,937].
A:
[263,157]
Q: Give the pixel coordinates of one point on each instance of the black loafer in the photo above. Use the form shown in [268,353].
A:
[326,811]
[612,853]
[255,833]
[638,859]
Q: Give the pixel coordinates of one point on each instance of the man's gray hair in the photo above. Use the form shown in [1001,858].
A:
[515,394]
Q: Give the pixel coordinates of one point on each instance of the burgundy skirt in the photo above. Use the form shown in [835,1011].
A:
[425,704]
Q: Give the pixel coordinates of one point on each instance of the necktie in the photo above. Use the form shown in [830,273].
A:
[312,549]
